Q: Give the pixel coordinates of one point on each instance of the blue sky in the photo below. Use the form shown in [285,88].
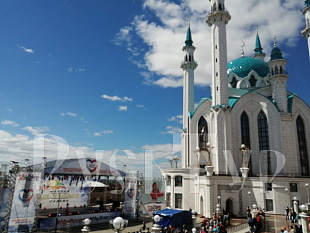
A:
[104,74]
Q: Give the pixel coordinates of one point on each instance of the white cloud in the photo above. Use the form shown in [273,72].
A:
[178,119]
[172,130]
[7,122]
[69,114]
[99,134]
[122,108]
[18,147]
[71,69]
[26,49]
[165,39]
[36,130]
[116,98]
[9,109]
[140,106]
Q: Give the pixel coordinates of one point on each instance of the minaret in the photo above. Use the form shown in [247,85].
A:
[258,49]
[306,31]
[278,78]
[188,65]
[217,20]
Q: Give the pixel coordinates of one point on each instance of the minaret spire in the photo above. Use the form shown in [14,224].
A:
[306,31]
[278,78]
[189,41]
[188,65]
[217,20]
[258,48]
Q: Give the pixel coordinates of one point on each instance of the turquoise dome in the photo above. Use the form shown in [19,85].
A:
[275,54]
[244,65]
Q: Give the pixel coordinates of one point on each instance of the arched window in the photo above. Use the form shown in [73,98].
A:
[276,70]
[234,82]
[220,6]
[245,134]
[302,146]
[252,81]
[202,133]
[263,137]
[190,58]
[178,181]
[272,71]
[168,180]
[186,57]
[281,70]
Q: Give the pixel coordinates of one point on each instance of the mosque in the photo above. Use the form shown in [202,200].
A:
[249,143]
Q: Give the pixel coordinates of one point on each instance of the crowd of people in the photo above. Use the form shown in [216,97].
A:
[256,221]
[294,221]
[218,222]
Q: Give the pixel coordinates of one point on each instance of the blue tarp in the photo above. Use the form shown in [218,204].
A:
[175,218]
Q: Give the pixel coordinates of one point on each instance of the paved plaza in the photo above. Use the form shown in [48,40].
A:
[238,225]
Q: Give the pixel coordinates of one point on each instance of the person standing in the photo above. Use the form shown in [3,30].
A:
[287,211]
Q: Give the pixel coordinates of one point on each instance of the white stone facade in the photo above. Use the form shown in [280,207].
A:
[260,113]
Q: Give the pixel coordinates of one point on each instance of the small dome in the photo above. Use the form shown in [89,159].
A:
[244,65]
[275,54]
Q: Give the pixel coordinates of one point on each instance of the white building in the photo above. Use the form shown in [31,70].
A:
[250,105]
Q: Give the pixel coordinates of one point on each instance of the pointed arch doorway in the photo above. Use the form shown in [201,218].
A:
[230,206]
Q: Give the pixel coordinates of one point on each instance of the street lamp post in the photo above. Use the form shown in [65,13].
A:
[194,218]
[286,190]
[171,162]
[249,193]
[307,186]
[218,206]
[244,168]
[118,224]
[86,227]
[176,159]
[156,227]
[58,199]
[304,218]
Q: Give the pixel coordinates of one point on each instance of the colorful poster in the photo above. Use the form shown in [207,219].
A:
[130,196]
[153,190]
[24,203]
[148,209]
[70,191]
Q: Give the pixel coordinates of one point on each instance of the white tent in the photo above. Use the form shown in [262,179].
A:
[95,184]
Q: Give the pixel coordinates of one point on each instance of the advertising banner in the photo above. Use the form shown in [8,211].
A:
[24,203]
[149,208]
[70,192]
[153,190]
[130,196]
[77,220]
